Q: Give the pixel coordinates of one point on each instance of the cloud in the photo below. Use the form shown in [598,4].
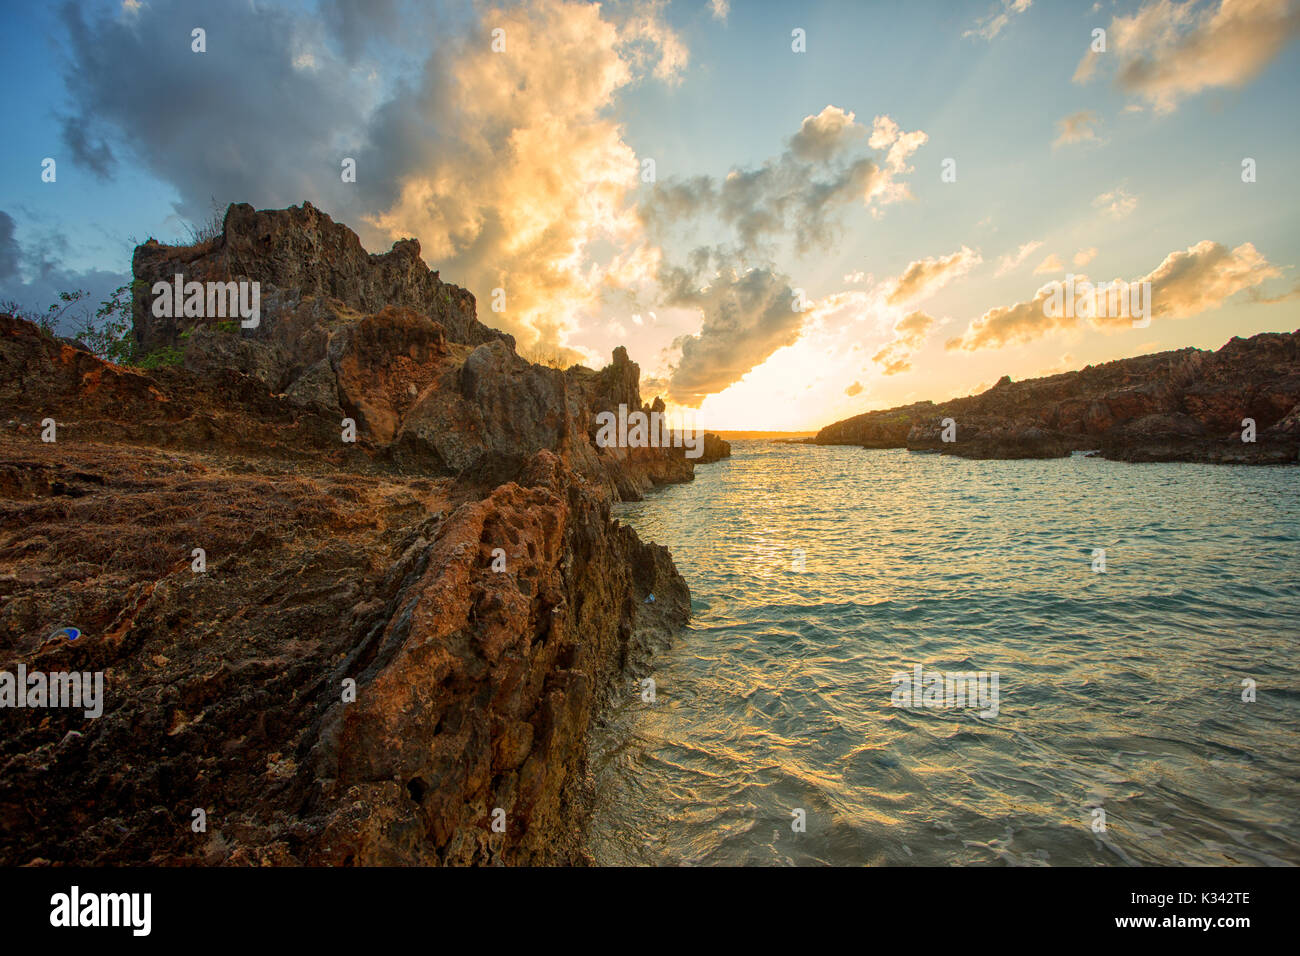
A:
[1066,364]
[822,136]
[886,133]
[794,199]
[746,318]
[1118,203]
[91,150]
[1078,127]
[1086,68]
[237,122]
[1167,51]
[1009,263]
[854,389]
[1010,325]
[1186,283]
[354,23]
[653,386]
[799,194]
[772,202]
[1051,264]
[998,17]
[926,276]
[719,8]
[910,334]
[649,44]
[509,167]
[512,191]
[31,277]
[1262,299]
[9,251]
[1203,276]
[1084,256]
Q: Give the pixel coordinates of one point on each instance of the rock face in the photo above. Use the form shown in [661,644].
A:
[382,340]
[1185,405]
[987,436]
[630,471]
[388,641]
[715,449]
[301,253]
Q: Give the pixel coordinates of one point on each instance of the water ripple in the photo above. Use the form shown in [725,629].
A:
[817,573]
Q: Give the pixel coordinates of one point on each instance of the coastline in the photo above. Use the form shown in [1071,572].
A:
[1237,405]
[393,647]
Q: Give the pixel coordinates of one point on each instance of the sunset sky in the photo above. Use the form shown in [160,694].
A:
[778,176]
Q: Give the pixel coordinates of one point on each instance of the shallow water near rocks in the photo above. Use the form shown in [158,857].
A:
[1119,691]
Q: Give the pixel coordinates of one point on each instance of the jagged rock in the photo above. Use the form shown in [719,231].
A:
[888,429]
[989,438]
[715,449]
[382,356]
[328,561]
[1134,409]
[489,415]
[301,252]
[1180,437]
[475,688]
[416,371]
[1288,427]
[317,389]
[74,343]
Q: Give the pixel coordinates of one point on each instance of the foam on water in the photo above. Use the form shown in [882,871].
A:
[1120,690]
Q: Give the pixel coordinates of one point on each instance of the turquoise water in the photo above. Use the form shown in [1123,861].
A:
[1118,691]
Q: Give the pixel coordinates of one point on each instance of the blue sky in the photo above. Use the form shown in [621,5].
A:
[518,169]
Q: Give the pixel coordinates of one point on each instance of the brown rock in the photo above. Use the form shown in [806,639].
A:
[327,562]
[1136,409]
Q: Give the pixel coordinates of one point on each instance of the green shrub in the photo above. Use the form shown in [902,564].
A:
[166,355]
[110,334]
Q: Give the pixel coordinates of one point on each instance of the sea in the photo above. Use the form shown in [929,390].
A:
[1141,621]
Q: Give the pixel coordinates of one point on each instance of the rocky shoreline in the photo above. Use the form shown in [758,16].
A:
[386,650]
[1187,405]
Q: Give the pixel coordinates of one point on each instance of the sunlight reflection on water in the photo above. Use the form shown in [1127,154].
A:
[1119,690]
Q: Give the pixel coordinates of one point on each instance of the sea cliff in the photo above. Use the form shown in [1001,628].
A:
[1184,405]
[318,648]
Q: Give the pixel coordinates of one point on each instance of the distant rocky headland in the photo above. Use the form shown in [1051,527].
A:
[349,571]
[1238,405]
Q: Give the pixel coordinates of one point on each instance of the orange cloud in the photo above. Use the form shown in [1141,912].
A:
[510,191]
[909,336]
[1168,51]
[1186,283]
[1080,127]
[925,276]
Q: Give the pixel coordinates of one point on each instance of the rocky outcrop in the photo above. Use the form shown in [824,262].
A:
[299,254]
[1181,437]
[380,339]
[1185,405]
[989,437]
[386,650]
[630,471]
[225,690]
[885,429]
[715,449]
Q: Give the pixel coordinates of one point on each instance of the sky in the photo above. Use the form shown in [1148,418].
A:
[788,213]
